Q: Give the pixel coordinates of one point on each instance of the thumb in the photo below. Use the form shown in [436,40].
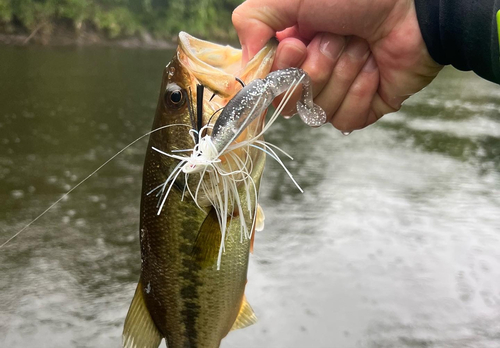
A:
[257,21]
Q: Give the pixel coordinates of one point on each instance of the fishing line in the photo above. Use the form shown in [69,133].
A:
[86,178]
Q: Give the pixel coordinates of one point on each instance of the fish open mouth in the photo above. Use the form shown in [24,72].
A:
[216,75]
[217,66]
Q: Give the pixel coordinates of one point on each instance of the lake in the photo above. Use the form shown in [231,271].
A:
[395,242]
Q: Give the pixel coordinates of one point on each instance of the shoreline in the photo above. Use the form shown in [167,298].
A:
[64,38]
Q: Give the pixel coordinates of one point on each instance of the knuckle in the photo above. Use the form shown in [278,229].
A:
[360,89]
[238,19]
[318,75]
[343,75]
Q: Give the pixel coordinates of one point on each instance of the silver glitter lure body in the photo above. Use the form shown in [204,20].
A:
[254,98]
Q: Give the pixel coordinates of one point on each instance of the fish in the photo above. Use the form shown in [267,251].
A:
[199,212]
[192,282]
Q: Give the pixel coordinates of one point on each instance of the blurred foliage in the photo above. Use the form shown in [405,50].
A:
[118,18]
[5,10]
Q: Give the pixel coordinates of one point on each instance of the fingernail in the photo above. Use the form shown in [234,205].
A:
[370,65]
[357,48]
[331,45]
[290,57]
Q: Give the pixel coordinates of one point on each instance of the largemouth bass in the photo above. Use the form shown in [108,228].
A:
[188,292]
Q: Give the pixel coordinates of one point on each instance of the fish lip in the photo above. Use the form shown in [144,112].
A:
[217,66]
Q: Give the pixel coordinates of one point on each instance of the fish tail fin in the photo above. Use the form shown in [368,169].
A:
[139,330]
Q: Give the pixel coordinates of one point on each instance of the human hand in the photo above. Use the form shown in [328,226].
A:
[365,57]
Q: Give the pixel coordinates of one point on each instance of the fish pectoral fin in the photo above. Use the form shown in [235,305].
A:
[246,316]
[207,244]
[259,224]
[259,219]
[139,330]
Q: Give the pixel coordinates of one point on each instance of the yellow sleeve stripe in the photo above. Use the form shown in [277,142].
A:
[498,27]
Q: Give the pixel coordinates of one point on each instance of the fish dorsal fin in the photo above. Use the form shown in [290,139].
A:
[246,316]
[139,330]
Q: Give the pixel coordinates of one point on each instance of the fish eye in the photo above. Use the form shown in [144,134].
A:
[175,96]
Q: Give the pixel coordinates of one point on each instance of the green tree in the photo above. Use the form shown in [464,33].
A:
[209,19]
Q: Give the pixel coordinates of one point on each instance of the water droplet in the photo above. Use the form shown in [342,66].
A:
[51,179]
[94,198]
[17,194]
[171,71]
[345,133]
[80,222]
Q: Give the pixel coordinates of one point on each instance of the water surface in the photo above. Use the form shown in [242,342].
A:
[395,242]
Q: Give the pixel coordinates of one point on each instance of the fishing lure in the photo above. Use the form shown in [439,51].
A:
[249,103]
[220,171]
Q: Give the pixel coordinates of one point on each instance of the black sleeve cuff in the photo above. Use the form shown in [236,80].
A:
[462,33]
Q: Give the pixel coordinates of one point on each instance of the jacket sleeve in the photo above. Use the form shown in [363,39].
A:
[463,33]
